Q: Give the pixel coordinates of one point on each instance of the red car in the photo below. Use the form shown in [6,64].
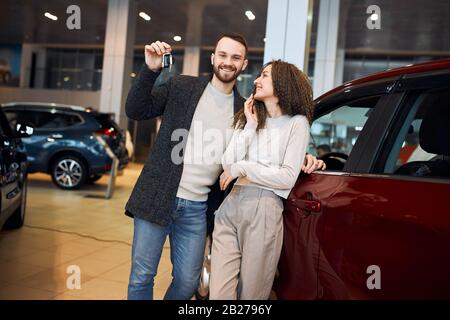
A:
[376,223]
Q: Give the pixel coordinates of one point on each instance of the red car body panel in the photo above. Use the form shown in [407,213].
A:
[366,221]
[339,226]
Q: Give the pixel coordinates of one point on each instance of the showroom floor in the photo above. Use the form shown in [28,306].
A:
[73,228]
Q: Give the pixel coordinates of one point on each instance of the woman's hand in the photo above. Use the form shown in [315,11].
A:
[225,179]
[249,111]
[312,164]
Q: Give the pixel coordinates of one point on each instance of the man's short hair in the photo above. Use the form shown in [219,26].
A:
[324,147]
[236,37]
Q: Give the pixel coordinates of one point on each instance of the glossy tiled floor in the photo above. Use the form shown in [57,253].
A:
[73,228]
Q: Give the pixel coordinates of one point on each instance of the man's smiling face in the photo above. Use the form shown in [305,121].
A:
[228,59]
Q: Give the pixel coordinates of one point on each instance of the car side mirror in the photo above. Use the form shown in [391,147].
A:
[23,130]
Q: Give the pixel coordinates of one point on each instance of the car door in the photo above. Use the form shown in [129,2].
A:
[307,269]
[24,115]
[10,168]
[49,131]
[391,222]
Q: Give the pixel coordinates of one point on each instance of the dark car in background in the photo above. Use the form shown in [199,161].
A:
[13,174]
[376,223]
[67,141]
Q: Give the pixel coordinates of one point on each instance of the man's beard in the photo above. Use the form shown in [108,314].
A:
[229,77]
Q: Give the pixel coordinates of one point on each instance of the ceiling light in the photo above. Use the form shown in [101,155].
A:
[144,16]
[51,16]
[250,15]
[177,38]
[374,17]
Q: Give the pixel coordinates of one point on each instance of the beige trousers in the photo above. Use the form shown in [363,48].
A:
[247,240]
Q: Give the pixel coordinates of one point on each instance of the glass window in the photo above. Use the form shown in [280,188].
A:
[42,120]
[48,120]
[402,32]
[422,147]
[29,117]
[334,134]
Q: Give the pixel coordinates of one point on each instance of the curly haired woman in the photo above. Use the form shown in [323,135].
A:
[265,153]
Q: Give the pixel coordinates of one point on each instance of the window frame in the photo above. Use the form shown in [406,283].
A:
[410,87]
[359,160]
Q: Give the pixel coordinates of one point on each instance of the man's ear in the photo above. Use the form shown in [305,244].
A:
[245,64]
[212,58]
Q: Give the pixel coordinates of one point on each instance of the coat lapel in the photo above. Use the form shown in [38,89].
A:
[197,91]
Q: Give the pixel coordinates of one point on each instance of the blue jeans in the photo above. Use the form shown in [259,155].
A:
[187,235]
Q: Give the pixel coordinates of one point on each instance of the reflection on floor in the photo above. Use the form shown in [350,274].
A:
[72,228]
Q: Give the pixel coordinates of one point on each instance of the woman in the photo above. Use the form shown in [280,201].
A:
[265,153]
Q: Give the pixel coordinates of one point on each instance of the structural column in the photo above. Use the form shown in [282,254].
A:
[329,60]
[118,58]
[191,60]
[288,31]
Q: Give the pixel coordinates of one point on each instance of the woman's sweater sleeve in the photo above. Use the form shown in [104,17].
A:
[238,146]
[285,175]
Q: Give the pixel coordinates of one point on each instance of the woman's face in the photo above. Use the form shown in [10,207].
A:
[264,85]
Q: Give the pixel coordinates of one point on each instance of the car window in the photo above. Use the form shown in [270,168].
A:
[422,147]
[41,119]
[337,131]
[17,116]
[3,129]
[47,120]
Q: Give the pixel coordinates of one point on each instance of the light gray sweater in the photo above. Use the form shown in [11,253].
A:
[208,137]
[273,157]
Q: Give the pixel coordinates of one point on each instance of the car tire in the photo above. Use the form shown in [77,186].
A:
[17,219]
[203,286]
[94,178]
[69,172]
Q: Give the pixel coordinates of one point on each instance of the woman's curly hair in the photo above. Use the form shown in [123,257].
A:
[292,88]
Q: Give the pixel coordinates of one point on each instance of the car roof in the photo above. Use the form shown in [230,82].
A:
[50,105]
[408,69]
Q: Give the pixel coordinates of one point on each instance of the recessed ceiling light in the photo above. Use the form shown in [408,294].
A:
[144,16]
[250,15]
[177,38]
[374,17]
[51,16]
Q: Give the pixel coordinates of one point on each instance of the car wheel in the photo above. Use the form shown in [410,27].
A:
[18,217]
[203,287]
[69,172]
[94,178]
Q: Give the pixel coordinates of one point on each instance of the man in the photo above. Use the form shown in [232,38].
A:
[322,150]
[172,196]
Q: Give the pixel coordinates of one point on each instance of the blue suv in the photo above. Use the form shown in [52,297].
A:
[67,141]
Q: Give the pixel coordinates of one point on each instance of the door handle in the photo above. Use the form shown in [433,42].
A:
[308,205]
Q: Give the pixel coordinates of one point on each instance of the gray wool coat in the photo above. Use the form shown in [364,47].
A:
[153,196]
